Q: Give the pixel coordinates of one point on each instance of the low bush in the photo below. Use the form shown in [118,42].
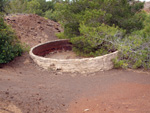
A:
[95,41]
[135,48]
[134,52]
[50,15]
[9,45]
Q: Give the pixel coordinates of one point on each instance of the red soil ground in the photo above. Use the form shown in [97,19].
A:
[26,88]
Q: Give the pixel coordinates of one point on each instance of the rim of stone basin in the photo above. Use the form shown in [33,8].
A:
[83,65]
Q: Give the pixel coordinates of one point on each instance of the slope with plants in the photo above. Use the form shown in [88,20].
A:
[39,7]
[98,27]
[9,45]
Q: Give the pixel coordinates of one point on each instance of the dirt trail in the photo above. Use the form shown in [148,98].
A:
[33,90]
[26,88]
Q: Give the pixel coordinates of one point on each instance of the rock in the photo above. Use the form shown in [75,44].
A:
[86,110]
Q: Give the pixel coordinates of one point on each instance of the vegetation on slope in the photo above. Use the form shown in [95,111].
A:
[98,27]
[9,46]
[40,7]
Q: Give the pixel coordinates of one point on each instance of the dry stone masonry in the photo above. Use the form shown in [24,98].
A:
[84,65]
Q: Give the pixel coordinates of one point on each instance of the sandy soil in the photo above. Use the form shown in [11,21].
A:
[62,55]
[26,88]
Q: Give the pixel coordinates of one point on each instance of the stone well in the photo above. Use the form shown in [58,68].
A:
[84,65]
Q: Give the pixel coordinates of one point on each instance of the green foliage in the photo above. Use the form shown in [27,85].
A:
[134,48]
[93,41]
[111,12]
[16,6]
[134,51]
[34,7]
[29,6]
[126,15]
[50,15]
[97,27]
[2,5]
[45,6]
[9,46]
[120,63]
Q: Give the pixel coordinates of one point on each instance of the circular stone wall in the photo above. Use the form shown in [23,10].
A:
[84,65]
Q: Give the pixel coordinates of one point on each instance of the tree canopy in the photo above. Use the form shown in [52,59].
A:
[29,6]
[97,27]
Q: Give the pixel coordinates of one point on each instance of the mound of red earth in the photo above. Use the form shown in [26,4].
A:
[33,29]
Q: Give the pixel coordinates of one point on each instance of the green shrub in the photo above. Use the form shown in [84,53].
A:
[95,41]
[9,46]
[33,6]
[120,13]
[134,51]
[39,7]
[97,27]
[2,5]
[16,6]
[50,15]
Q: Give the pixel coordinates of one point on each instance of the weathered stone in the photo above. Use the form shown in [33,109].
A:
[84,65]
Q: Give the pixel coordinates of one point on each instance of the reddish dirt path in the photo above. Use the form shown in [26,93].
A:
[26,88]
[33,90]
[120,98]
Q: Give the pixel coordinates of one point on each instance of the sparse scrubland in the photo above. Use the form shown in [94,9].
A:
[97,27]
